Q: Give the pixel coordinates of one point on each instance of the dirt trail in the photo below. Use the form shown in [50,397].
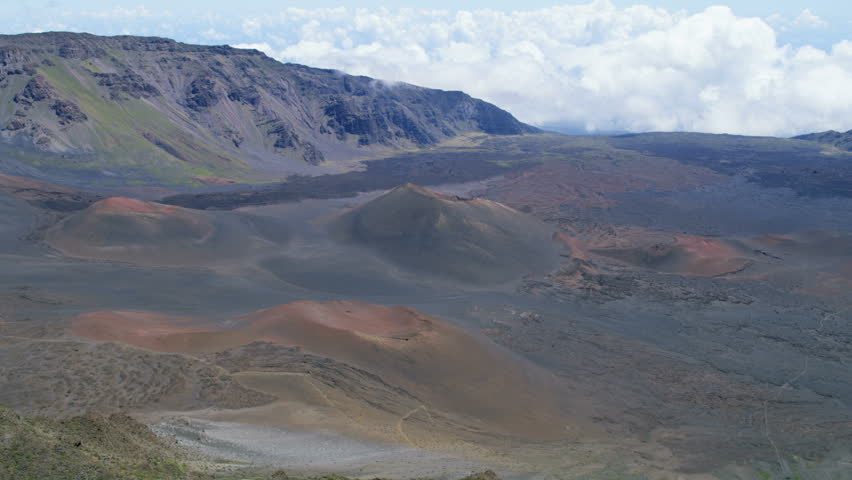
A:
[401,424]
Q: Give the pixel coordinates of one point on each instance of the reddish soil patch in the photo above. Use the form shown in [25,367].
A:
[12,184]
[816,243]
[666,252]
[357,317]
[131,205]
[441,364]
[212,181]
[576,247]
[294,323]
[136,231]
[709,257]
[143,329]
[46,194]
[776,240]
[146,193]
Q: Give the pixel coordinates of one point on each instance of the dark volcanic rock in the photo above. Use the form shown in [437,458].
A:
[770,162]
[36,90]
[286,138]
[248,95]
[127,84]
[15,125]
[312,155]
[68,112]
[486,475]
[81,50]
[201,94]
[342,119]
[377,122]
[497,121]
[12,56]
[432,168]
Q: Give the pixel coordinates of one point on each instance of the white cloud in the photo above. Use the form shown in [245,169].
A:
[251,26]
[213,34]
[263,47]
[806,20]
[594,65]
[124,13]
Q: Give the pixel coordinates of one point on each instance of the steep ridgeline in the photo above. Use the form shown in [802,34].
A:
[172,109]
[841,140]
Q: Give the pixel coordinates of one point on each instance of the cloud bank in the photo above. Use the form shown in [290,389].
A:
[592,67]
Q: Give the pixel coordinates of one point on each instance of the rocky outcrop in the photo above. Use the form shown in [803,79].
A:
[312,155]
[68,112]
[12,56]
[15,125]
[287,139]
[36,90]
[201,94]
[79,50]
[246,95]
[127,85]
[373,122]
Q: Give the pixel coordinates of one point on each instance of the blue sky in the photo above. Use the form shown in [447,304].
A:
[753,67]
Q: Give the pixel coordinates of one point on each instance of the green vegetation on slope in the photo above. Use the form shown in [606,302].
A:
[123,133]
[841,140]
[117,447]
[87,447]
[178,111]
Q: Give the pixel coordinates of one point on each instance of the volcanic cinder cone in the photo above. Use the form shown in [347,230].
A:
[150,233]
[471,240]
[445,367]
[675,253]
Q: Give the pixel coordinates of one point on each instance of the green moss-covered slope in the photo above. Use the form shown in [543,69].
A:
[88,447]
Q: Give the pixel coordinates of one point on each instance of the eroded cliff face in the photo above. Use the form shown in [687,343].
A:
[214,109]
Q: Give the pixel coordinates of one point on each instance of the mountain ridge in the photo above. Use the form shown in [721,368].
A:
[841,140]
[176,110]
